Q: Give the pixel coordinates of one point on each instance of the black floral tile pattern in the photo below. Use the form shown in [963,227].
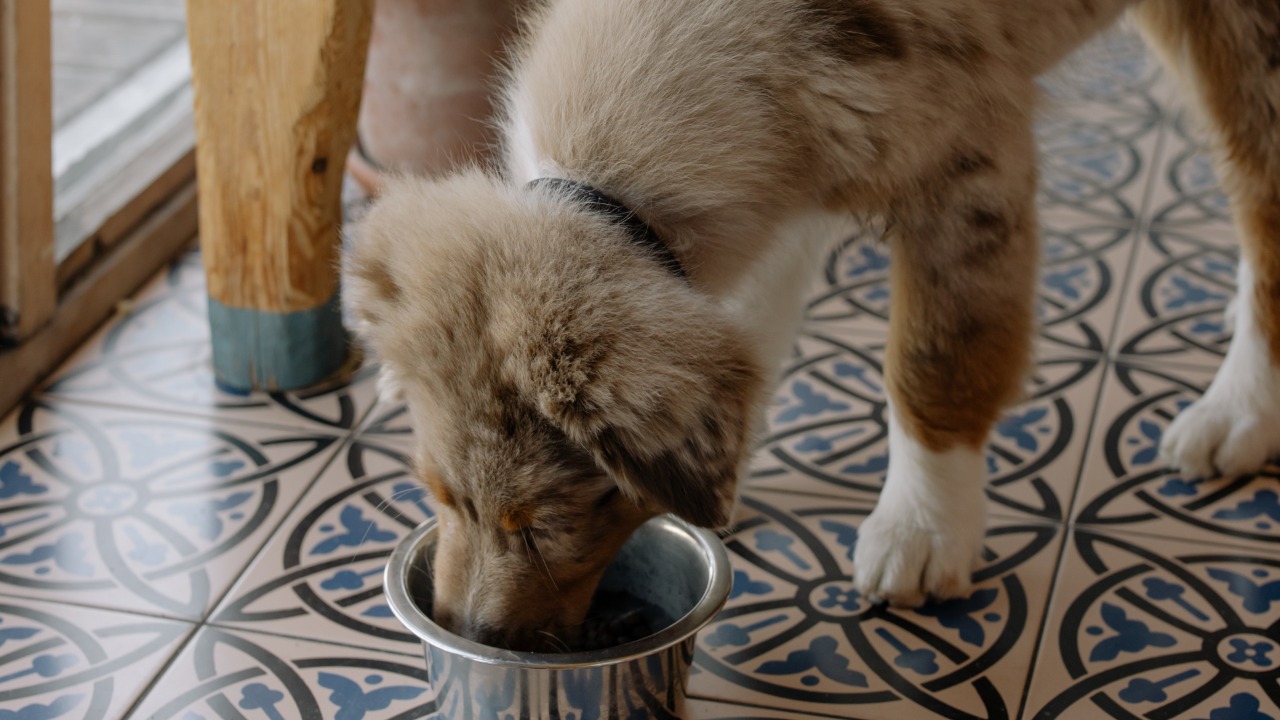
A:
[1161,628]
[796,635]
[60,661]
[1126,485]
[139,512]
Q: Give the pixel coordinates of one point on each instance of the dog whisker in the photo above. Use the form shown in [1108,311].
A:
[384,504]
[556,642]
[530,541]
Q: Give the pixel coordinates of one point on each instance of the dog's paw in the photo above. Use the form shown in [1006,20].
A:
[906,561]
[1235,427]
[925,535]
[1223,433]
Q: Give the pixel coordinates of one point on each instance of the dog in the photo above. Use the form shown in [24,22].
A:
[587,334]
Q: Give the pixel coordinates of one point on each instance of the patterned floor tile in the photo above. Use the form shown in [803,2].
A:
[137,511]
[230,674]
[1112,75]
[322,572]
[72,663]
[828,432]
[796,636]
[156,354]
[388,424]
[1099,167]
[1187,192]
[1154,628]
[1126,486]
[702,709]
[1183,279]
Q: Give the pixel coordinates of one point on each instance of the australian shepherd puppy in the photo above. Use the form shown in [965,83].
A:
[587,335]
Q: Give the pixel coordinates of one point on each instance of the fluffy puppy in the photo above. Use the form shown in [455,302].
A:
[565,384]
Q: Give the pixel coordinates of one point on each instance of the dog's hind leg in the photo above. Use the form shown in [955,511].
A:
[1227,53]
[961,322]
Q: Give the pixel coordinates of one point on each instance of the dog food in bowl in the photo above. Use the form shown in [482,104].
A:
[666,583]
[615,618]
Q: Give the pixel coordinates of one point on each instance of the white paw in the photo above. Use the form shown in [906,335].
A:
[906,561]
[925,536]
[1235,427]
[1222,434]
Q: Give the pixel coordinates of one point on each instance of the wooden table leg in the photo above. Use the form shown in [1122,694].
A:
[277,91]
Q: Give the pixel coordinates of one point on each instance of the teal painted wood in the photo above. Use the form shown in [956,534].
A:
[259,350]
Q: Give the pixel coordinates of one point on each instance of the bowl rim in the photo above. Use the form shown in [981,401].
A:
[712,601]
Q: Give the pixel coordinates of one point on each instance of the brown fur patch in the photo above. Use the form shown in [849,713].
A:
[954,41]
[516,519]
[1261,235]
[968,163]
[860,30]
[438,489]
[1228,43]
[375,272]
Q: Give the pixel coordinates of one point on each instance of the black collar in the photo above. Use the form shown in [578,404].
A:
[640,232]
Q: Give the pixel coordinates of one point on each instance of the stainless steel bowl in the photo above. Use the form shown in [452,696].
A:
[679,572]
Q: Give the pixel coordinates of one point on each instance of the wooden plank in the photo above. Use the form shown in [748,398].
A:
[277,88]
[92,301]
[130,213]
[28,292]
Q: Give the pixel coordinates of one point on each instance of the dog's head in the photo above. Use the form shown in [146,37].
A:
[563,387]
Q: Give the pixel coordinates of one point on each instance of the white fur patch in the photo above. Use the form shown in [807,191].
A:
[522,155]
[925,535]
[1235,427]
[770,297]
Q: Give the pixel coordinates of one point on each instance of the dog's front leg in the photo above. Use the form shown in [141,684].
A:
[963,278]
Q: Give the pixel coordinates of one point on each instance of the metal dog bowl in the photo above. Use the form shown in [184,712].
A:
[679,572]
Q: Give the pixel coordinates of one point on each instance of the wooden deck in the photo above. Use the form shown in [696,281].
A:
[98,44]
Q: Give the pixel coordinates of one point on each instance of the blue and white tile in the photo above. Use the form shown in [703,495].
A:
[1187,192]
[388,424]
[1126,486]
[1114,74]
[321,574]
[60,662]
[828,434]
[1100,168]
[702,709]
[798,637]
[225,673]
[135,511]
[155,354]
[1157,628]
[1174,309]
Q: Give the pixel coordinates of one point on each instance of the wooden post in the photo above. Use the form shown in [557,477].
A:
[277,91]
[28,269]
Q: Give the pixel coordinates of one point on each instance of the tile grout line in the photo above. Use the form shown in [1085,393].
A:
[334,455]
[1139,227]
[204,621]
[164,669]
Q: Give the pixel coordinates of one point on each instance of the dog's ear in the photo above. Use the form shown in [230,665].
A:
[663,397]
